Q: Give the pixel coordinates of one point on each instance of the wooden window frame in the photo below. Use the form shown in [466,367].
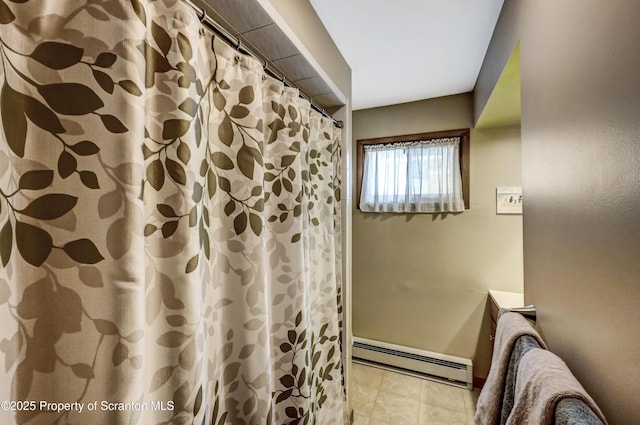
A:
[464,153]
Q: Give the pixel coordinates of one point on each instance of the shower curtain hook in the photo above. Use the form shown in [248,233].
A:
[203,18]
[239,43]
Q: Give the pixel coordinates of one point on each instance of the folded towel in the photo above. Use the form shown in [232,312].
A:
[510,326]
[521,345]
[543,380]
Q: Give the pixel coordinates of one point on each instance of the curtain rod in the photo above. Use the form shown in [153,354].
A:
[237,43]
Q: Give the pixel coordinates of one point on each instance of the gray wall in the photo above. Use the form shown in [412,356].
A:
[580,70]
[421,280]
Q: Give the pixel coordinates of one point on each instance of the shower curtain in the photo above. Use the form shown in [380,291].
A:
[169,226]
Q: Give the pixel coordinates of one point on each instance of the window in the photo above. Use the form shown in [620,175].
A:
[426,172]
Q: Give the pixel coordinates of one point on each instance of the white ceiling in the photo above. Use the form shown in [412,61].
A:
[407,50]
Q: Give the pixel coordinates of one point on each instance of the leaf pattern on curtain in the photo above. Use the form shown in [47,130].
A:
[170,230]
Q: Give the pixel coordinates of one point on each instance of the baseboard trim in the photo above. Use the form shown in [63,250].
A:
[478,382]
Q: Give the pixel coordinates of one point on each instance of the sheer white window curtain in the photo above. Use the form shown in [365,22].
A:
[421,176]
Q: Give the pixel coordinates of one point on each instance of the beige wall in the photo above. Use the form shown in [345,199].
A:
[421,280]
[505,37]
[581,178]
[580,156]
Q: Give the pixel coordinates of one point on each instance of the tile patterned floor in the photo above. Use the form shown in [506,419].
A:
[381,397]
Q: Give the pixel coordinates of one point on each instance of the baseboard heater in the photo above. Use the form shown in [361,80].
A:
[435,366]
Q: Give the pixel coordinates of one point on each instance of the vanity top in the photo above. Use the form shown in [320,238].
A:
[504,299]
